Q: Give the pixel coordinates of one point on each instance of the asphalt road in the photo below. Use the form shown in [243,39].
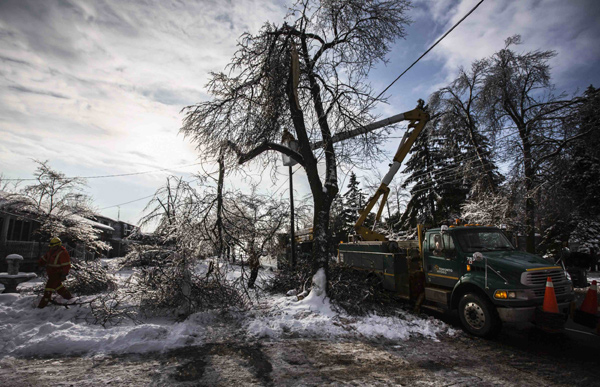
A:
[519,356]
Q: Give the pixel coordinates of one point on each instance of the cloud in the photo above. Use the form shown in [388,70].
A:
[569,27]
[104,81]
[40,92]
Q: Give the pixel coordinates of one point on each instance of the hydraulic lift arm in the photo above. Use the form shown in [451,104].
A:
[418,118]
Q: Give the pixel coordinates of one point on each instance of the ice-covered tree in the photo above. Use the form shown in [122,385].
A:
[307,75]
[462,124]
[520,101]
[353,203]
[487,208]
[436,186]
[62,208]
[252,222]
[176,211]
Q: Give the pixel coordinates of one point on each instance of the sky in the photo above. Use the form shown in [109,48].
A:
[97,87]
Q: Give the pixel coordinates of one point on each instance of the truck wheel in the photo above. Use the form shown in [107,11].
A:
[478,316]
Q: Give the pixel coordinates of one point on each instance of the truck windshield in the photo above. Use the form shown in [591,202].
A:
[471,241]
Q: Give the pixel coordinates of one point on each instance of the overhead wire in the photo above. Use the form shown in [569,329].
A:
[115,175]
[137,200]
[165,169]
[440,172]
[425,53]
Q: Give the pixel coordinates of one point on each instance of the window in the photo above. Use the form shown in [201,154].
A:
[448,242]
[436,246]
[434,240]
[483,240]
[19,230]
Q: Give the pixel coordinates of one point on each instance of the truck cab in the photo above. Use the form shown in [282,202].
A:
[476,270]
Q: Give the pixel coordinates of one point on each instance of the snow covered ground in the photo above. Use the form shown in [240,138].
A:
[593,276]
[28,331]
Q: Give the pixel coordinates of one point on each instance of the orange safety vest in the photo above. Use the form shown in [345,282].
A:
[56,261]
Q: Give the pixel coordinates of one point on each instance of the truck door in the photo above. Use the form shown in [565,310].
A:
[441,261]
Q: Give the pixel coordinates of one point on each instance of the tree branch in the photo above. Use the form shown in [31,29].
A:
[265,146]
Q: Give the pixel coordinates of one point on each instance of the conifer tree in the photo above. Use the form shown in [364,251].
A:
[352,201]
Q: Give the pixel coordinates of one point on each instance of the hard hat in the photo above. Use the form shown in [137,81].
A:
[55,242]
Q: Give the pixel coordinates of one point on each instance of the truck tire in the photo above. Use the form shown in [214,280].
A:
[478,316]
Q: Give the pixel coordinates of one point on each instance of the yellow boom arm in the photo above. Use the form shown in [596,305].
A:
[418,118]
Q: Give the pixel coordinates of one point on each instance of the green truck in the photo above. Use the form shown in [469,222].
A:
[473,269]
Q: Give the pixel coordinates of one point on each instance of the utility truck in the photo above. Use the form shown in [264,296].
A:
[470,268]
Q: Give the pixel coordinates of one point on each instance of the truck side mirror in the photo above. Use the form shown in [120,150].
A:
[437,244]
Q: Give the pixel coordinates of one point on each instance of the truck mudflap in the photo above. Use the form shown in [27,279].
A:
[527,314]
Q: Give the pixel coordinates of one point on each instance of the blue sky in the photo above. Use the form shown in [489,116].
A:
[96,87]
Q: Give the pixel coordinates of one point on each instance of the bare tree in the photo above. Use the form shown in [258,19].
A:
[462,124]
[308,76]
[62,207]
[518,94]
[169,207]
[252,222]
[186,217]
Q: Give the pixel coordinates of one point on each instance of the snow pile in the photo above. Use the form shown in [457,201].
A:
[313,317]
[28,331]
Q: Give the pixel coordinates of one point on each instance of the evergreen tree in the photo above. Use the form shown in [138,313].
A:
[339,231]
[421,167]
[352,203]
[582,179]
[462,123]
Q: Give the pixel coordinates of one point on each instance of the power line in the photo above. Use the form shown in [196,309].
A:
[426,52]
[116,175]
[137,200]
[467,159]
[122,204]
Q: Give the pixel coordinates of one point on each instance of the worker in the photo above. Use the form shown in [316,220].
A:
[58,264]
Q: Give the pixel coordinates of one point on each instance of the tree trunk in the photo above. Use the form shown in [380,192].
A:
[322,200]
[254,263]
[321,234]
[220,206]
[529,199]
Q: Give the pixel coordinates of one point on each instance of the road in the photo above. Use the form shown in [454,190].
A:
[520,356]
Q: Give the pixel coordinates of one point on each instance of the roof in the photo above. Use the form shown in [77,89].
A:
[15,202]
[94,223]
[7,200]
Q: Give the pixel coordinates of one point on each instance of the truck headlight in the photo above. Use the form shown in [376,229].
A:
[505,295]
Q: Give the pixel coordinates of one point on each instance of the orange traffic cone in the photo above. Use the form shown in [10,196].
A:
[590,303]
[550,304]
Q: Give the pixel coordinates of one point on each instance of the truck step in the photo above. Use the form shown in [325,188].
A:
[440,296]
[434,308]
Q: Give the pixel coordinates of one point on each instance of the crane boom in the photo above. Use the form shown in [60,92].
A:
[418,117]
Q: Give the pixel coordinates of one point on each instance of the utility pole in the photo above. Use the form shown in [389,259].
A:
[289,141]
[292,233]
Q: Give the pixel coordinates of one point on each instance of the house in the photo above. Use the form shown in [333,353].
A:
[121,230]
[17,231]
[19,222]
